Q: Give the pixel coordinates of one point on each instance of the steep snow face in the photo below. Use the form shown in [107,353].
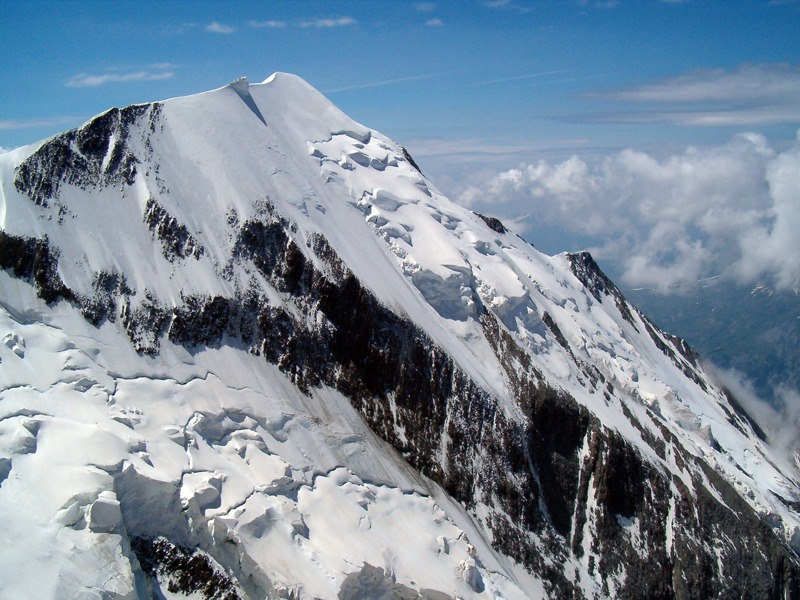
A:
[105,449]
[257,315]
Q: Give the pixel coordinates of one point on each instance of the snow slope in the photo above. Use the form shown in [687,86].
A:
[260,463]
[117,427]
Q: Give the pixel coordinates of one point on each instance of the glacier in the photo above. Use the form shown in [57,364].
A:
[249,350]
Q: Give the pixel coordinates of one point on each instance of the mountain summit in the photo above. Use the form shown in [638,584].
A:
[250,351]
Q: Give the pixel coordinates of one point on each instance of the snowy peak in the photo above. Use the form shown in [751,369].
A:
[272,316]
[242,88]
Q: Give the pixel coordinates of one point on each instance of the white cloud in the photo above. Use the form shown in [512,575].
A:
[328,23]
[506,5]
[434,23]
[268,24]
[217,27]
[773,244]
[748,95]
[425,6]
[732,209]
[82,80]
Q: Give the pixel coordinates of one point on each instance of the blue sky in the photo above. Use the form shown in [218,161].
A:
[492,97]
[515,74]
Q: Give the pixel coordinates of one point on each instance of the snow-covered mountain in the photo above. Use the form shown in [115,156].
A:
[250,351]
[752,329]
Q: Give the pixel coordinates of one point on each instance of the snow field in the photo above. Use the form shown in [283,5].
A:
[308,499]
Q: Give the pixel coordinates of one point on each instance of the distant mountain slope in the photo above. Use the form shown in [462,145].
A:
[755,331]
[249,350]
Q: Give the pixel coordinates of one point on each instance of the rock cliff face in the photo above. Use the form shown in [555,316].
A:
[434,360]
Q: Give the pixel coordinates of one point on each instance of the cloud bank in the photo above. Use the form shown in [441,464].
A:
[732,209]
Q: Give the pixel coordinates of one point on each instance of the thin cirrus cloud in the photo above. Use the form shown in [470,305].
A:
[360,86]
[85,80]
[752,94]
[305,24]
[434,23]
[503,80]
[267,24]
[742,117]
[328,23]
[7,124]
[506,5]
